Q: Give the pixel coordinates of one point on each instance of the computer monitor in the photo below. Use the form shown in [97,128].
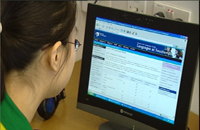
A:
[137,70]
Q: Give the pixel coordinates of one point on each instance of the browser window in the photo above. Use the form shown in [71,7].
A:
[136,67]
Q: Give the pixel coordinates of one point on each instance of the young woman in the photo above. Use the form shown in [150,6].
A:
[38,49]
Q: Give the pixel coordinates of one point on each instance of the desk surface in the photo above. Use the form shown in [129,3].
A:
[68,117]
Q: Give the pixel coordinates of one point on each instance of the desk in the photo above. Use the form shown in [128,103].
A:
[68,117]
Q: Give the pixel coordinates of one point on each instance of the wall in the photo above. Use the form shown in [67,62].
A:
[192,6]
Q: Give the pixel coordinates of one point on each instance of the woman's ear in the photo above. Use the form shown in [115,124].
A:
[55,56]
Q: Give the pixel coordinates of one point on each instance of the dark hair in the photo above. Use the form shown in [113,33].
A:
[29,26]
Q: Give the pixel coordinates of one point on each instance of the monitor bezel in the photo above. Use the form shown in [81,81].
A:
[187,29]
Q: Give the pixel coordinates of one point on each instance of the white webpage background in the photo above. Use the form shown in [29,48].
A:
[134,80]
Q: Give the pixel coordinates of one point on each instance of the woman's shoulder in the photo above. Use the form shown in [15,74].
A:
[11,116]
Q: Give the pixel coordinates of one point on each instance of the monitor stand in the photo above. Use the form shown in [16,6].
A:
[112,126]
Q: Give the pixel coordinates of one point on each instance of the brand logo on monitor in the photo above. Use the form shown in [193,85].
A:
[97,34]
[125,112]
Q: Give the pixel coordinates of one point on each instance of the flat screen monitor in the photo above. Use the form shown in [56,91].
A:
[137,70]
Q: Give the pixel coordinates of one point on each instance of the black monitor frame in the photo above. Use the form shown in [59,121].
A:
[188,29]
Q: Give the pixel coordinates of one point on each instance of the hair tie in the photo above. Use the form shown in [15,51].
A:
[0,28]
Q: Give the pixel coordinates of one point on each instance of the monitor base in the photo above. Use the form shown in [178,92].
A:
[112,126]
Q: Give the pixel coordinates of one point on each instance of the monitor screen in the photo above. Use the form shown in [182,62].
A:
[135,66]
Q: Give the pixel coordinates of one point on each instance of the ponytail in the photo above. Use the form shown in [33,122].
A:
[2,66]
[2,73]
[2,82]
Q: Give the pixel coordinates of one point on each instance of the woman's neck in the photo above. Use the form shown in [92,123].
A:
[24,96]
